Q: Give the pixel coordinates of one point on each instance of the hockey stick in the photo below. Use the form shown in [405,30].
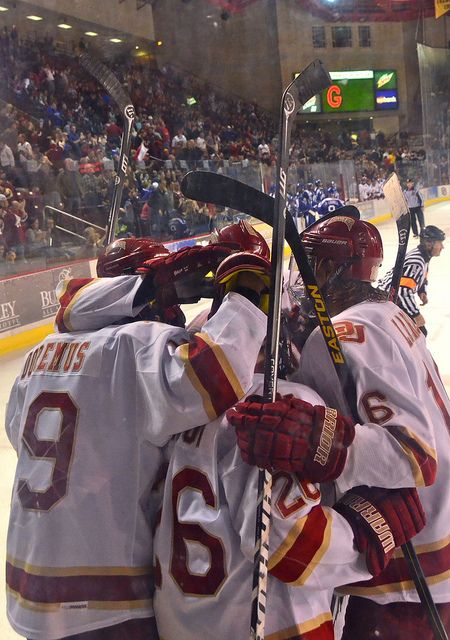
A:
[114,89]
[223,191]
[394,195]
[307,84]
[400,211]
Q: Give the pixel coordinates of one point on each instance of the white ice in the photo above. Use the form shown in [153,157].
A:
[436,312]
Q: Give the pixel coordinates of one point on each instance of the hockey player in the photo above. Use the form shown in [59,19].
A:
[204,542]
[414,280]
[402,423]
[328,205]
[87,415]
[319,192]
[332,190]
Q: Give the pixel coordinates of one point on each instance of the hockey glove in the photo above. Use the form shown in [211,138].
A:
[245,273]
[180,278]
[381,520]
[293,435]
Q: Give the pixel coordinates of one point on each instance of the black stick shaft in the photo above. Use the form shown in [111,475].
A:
[121,174]
[312,80]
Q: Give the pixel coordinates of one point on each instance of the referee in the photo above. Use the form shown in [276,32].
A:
[415,204]
[415,272]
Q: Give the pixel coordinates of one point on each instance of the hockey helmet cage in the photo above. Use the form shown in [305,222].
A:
[346,240]
[432,233]
[125,255]
[241,236]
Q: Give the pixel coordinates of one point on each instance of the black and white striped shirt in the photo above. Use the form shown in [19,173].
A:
[412,282]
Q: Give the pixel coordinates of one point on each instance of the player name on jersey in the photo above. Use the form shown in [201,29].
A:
[62,357]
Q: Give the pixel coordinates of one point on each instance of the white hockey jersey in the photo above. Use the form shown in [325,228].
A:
[204,544]
[403,439]
[86,415]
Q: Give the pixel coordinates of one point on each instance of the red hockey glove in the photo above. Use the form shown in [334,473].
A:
[180,277]
[294,436]
[245,273]
[381,519]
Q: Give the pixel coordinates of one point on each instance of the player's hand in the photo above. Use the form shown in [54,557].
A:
[424,298]
[180,277]
[381,519]
[419,320]
[245,273]
[299,325]
[293,435]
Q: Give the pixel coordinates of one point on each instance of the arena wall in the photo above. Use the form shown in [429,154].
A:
[121,16]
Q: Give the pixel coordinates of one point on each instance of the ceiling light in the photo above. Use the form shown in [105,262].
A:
[159,43]
[64,25]
[136,47]
[92,34]
[115,40]
[35,18]
[4,8]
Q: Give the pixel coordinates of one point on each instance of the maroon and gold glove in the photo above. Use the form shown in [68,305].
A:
[245,273]
[381,520]
[292,435]
[180,277]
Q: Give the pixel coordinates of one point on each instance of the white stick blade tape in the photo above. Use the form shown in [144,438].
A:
[393,193]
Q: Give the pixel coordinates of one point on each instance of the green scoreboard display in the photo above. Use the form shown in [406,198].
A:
[352,91]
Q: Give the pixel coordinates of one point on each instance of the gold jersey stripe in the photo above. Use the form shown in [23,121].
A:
[183,351]
[225,364]
[303,627]
[54,572]
[93,604]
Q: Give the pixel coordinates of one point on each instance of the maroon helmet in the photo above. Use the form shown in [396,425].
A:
[126,255]
[345,240]
[241,236]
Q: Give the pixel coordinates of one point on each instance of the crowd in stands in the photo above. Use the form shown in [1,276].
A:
[60,137]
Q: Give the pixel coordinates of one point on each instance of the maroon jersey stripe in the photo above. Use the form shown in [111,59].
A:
[53,589]
[211,375]
[73,286]
[425,462]
[297,560]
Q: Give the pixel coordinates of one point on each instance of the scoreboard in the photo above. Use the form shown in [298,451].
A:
[351,91]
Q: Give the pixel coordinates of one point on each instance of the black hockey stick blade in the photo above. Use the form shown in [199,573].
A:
[223,191]
[107,79]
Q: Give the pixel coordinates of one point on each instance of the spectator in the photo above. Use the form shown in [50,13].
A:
[92,244]
[24,150]
[364,189]
[179,141]
[34,240]
[14,234]
[7,161]
[70,186]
